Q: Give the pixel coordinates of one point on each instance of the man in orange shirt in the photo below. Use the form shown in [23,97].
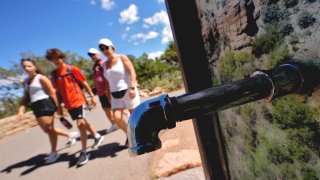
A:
[68,81]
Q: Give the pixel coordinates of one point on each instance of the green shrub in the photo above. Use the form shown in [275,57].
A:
[248,114]
[307,33]
[278,154]
[279,56]
[290,3]
[290,113]
[224,39]
[273,13]
[146,69]
[285,27]
[226,67]
[168,82]
[305,19]
[309,173]
[295,49]
[244,64]
[295,10]
[263,44]
[294,39]
[311,1]
[9,106]
[235,66]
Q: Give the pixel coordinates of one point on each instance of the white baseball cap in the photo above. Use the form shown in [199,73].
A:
[93,51]
[106,42]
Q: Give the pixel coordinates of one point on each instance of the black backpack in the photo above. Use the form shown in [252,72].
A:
[55,76]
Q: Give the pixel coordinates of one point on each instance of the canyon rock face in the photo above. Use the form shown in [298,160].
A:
[228,23]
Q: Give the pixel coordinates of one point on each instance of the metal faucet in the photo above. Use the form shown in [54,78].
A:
[162,112]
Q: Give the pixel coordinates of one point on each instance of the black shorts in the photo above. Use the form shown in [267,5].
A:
[43,107]
[78,113]
[104,101]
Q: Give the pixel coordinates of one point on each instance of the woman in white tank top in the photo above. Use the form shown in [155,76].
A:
[41,94]
[121,76]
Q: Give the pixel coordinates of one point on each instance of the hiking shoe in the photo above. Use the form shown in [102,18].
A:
[83,158]
[72,140]
[52,157]
[113,127]
[97,142]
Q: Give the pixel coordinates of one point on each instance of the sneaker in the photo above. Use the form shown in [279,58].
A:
[52,157]
[72,140]
[97,142]
[83,158]
[113,127]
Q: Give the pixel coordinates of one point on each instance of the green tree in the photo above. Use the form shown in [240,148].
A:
[305,19]
[170,54]
[148,68]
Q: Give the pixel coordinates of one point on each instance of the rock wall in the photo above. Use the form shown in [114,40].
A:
[228,23]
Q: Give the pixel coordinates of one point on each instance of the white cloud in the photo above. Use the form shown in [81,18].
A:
[108,4]
[136,43]
[124,36]
[109,23]
[145,26]
[158,18]
[130,15]
[166,35]
[160,1]
[154,55]
[92,2]
[145,37]
[161,18]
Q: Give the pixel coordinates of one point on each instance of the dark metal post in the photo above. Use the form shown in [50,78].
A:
[194,65]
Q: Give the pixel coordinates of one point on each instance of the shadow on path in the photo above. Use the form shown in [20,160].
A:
[106,150]
[39,161]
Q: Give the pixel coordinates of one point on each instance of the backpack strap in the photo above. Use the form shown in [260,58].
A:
[74,80]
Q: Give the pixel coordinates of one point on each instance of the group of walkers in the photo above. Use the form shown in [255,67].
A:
[115,84]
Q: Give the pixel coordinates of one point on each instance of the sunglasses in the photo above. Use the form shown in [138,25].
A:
[103,47]
[91,54]
[25,59]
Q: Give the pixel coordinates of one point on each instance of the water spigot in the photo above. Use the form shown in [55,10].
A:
[146,121]
[162,112]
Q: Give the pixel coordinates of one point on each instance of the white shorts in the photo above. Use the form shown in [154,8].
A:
[125,102]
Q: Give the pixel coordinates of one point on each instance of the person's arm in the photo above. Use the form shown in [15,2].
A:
[22,106]
[132,74]
[89,91]
[108,92]
[82,80]
[51,91]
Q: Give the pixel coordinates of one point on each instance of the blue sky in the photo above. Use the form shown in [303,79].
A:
[134,26]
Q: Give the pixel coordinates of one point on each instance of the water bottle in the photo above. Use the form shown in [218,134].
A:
[66,123]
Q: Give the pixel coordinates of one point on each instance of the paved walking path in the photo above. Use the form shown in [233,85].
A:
[22,156]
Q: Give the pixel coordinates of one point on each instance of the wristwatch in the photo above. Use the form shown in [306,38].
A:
[132,87]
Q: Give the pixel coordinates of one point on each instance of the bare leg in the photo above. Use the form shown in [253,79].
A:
[117,115]
[61,132]
[109,114]
[46,124]
[81,123]
[90,128]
